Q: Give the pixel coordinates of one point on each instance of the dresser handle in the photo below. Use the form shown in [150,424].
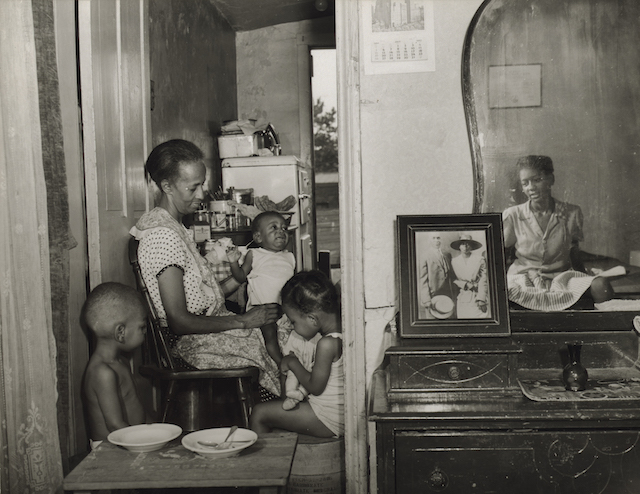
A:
[454,372]
[438,480]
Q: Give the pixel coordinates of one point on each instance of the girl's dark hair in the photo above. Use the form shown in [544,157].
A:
[311,291]
[164,161]
[535,162]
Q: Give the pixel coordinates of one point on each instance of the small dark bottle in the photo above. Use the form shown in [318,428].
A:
[574,375]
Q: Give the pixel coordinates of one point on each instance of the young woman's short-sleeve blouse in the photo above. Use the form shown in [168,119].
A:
[536,248]
[160,249]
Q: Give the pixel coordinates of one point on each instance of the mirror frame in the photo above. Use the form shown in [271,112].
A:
[526,321]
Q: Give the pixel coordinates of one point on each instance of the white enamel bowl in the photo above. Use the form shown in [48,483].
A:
[242,439]
[145,437]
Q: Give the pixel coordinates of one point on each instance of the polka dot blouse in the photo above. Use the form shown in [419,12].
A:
[163,248]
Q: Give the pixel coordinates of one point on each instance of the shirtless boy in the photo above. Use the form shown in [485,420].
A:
[116,315]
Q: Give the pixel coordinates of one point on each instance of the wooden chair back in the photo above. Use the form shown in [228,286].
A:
[157,343]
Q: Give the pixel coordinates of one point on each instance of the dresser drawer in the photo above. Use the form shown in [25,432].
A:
[455,371]
[523,462]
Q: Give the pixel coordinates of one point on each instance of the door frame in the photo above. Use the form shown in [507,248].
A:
[306,42]
[351,244]
[351,240]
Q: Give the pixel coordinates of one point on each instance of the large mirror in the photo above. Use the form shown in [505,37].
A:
[561,78]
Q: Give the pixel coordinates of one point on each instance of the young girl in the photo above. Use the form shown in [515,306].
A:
[312,304]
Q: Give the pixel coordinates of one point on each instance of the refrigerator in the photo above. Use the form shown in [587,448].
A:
[279,177]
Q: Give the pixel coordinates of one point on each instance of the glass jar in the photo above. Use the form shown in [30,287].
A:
[201,227]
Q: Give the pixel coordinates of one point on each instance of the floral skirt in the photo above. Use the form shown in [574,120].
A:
[234,348]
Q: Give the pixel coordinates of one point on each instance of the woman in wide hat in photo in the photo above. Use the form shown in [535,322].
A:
[471,278]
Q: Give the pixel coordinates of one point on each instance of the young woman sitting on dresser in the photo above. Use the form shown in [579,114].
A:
[547,273]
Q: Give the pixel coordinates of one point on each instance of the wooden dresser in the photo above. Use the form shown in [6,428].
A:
[451,417]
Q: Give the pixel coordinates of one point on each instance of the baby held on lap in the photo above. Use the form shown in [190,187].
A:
[217,251]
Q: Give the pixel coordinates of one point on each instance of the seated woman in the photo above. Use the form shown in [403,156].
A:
[181,283]
[546,233]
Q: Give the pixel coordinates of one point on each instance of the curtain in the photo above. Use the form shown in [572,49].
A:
[30,459]
[60,236]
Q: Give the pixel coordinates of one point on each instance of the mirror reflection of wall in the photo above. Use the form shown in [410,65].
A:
[561,78]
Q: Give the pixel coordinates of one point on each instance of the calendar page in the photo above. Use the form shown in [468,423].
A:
[398,36]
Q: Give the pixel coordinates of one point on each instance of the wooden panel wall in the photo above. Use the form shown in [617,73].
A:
[193,67]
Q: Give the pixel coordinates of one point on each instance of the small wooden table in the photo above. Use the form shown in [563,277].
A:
[267,463]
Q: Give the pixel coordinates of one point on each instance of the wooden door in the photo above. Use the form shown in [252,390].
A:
[114,82]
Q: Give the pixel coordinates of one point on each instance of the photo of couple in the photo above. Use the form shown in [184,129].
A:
[452,275]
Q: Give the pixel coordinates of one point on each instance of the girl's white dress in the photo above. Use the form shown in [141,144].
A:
[329,406]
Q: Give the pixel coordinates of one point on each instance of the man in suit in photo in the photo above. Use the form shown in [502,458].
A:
[435,274]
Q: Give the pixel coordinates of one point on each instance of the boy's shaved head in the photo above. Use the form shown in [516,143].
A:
[107,303]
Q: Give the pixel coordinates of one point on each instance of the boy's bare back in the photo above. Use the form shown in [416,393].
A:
[117,317]
[111,397]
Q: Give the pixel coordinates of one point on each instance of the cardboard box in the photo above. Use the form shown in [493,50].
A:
[237,146]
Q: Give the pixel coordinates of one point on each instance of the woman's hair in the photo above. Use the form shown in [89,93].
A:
[535,162]
[311,291]
[164,161]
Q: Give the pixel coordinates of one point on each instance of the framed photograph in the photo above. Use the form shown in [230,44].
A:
[452,280]
[515,86]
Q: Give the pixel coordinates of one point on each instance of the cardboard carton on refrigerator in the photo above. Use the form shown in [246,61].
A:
[237,146]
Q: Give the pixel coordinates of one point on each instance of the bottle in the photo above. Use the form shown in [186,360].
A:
[240,220]
[201,228]
[231,222]
[574,374]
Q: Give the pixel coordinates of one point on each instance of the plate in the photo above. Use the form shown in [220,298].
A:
[144,437]
[190,441]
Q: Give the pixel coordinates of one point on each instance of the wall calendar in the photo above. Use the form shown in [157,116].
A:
[398,36]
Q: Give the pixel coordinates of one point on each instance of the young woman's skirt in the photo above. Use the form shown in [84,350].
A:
[548,294]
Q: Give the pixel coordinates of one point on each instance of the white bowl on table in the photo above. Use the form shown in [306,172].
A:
[144,437]
[240,440]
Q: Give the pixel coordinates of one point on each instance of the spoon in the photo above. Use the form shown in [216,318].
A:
[224,444]
[208,444]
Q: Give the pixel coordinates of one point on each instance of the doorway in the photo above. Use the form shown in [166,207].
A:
[325,155]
